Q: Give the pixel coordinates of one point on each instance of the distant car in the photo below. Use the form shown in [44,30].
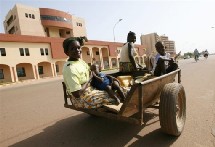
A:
[186,57]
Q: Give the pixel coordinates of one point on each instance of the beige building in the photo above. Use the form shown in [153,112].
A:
[170,45]
[18,19]
[45,22]
[32,46]
[149,40]
[25,57]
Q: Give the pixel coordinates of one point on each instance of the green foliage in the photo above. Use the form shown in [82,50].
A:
[188,54]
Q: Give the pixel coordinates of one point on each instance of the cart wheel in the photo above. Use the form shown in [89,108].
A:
[172,110]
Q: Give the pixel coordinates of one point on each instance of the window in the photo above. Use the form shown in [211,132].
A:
[97,52]
[88,52]
[40,70]
[10,20]
[26,15]
[21,72]
[30,15]
[24,52]
[42,51]
[79,24]
[12,30]
[21,51]
[27,52]
[2,52]
[55,18]
[1,74]
[47,51]
[57,68]
[33,16]
[67,32]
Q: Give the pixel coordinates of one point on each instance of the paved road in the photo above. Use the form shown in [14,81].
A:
[32,115]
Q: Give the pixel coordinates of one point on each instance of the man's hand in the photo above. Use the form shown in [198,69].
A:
[171,61]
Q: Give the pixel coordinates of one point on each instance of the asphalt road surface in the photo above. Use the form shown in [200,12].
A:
[32,115]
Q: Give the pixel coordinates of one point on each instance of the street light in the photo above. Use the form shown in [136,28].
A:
[114,28]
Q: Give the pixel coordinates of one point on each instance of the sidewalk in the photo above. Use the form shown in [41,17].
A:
[31,81]
[45,79]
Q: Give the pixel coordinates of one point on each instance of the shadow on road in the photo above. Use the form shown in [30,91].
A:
[154,139]
[85,130]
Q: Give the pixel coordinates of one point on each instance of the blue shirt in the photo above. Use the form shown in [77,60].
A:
[101,85]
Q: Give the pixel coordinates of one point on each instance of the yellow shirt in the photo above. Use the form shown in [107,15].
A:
[75,73]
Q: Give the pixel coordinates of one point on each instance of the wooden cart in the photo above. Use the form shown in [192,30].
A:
[161,92]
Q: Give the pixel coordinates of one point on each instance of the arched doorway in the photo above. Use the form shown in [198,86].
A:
[59,67]
[24,71]
[86,56]
[5,74]
[96,55]
[105,58]
[44,69]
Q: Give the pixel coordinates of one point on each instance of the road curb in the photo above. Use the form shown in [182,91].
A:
[31,81]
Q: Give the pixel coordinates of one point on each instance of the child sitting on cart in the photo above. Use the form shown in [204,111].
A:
[108,83]
[163,63]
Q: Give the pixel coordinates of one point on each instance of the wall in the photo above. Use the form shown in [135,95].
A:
[29,26]
[78,30]
[54,32]
[13,54]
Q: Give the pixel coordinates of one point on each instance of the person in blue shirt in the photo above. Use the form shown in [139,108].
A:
[108,83]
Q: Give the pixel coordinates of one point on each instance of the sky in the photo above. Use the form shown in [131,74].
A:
[190,23]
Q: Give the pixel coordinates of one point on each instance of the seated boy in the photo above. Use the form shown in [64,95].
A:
[163,63]
[108,83]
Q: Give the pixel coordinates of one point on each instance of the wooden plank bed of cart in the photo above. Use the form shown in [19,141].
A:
[163,93]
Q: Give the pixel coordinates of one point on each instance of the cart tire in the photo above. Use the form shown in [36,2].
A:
[172,109]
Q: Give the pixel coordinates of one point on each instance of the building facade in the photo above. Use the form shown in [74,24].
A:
[149,40]
[25,57]
[170,45]
[45,22]
[32,46]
